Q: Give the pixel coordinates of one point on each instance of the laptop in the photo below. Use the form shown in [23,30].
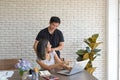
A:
[78,67]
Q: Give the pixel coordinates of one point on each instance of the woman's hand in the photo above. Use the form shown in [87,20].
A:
[67,62]
[69,68]
[60,65]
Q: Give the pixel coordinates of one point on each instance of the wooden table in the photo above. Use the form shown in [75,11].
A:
[84,75]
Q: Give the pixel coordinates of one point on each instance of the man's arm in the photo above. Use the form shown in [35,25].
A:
[35,45]
[60,47]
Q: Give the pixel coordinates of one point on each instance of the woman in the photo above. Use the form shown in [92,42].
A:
[47,58]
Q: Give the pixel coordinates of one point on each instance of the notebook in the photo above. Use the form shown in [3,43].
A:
[47,75]
[78,67]
[44,73]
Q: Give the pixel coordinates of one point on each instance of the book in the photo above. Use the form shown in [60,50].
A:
[47,75]
[51,77]
[44,73]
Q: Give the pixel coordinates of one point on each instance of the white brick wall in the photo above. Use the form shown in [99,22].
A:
[21,20]
[119,38]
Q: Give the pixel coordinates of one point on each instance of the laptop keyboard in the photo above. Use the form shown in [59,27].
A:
[64,71]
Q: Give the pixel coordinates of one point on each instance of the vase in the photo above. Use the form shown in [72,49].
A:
[24,76]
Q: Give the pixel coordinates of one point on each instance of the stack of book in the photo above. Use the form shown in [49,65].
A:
[47,75]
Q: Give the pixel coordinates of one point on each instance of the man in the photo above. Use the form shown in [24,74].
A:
[54,35]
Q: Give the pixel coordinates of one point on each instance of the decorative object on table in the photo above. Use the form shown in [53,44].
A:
[5,74]
[51,77]
[24,66]
[90,52]
[35,74]
[45,73]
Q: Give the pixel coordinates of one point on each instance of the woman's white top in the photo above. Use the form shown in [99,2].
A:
[51,61]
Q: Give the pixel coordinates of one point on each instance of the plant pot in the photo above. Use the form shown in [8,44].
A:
[24,76]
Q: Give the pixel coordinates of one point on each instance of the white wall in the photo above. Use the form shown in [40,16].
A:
[119,38]
[112,39]
[21,20]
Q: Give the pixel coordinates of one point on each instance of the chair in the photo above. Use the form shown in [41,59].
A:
[8,64]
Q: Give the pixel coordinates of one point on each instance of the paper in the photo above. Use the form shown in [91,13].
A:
[6,74]
[45,73]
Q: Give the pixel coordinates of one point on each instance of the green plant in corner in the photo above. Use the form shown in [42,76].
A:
[90,52]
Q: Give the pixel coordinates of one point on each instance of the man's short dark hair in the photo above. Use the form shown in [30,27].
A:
[55,19]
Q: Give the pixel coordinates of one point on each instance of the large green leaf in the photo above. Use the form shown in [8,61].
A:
[88,49]
[81,52]
[96,50]
[94,45]
[95,57]
[85,56]
[87,42]
[90,40]
[95,36]
[79,58]
[97,54]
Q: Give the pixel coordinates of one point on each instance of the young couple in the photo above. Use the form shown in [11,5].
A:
[47,45]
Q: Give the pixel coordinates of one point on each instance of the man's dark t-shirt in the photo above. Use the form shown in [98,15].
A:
[54,38]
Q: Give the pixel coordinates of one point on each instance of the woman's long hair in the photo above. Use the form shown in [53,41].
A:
[42,45]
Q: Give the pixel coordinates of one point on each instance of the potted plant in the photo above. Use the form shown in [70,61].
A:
[23,66]
[91,52]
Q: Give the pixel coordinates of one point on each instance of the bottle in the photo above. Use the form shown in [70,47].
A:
[35,74]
